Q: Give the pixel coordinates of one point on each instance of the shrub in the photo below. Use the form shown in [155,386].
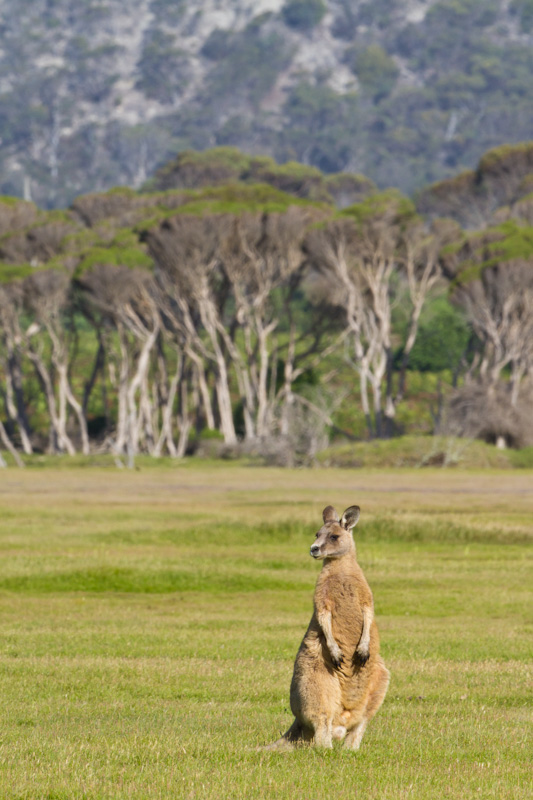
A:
[248,65]
[163,67]
[376,71]
[346,188]
[303,14]
[377,12]
[191,169]
[345,23]
[168,11]
[217,45]
[524,10]
[321,126]
[476,413]
[455,14]
[16,214]
[236,131]
[292,177]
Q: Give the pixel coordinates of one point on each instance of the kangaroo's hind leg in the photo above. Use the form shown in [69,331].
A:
[324,730]
[378,690]
[316,695]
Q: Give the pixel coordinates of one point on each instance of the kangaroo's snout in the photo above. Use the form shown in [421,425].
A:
[315,550]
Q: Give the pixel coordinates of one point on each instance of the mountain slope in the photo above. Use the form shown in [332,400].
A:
[103,92]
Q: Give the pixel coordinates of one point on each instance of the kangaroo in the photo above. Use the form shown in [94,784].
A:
[339,679]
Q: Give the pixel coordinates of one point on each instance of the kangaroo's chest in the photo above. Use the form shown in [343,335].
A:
[342,597]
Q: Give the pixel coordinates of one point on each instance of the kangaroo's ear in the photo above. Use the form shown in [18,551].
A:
[350,517]
[330,515]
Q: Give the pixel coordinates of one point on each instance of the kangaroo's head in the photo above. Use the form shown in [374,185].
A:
[334,539]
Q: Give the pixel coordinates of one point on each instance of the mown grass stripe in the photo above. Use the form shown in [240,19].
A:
[125,580]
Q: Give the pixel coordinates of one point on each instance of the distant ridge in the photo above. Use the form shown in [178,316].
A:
[98,94]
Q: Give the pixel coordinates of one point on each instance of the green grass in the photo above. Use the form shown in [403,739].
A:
[400,451]
[149,622]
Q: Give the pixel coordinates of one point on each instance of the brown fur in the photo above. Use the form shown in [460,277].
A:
[339,679]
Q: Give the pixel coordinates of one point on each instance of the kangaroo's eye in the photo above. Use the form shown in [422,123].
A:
[334,538]
[316,536]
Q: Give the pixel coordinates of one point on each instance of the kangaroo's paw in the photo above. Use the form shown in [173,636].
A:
[336,656]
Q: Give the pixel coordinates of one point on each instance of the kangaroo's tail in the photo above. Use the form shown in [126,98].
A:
[289,740]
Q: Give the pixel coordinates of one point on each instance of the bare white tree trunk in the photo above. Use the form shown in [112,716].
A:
[227,427]
[376,381]
[60,439]
[166,435]
[146,416]
[288,396]
[184,421]
[65,394]
[10,314]
[242,374]
[122,391]
[272,389]
[203,388]
[9,446]
[263,416]
[362,366]
[517,373]
[139,377]
[78,410]
[14,412]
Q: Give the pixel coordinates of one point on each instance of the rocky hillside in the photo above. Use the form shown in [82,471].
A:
[103,92]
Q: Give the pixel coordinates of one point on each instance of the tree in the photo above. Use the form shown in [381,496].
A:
[47,301]
[186,251]
[366,256]
[126,301]
[473,196]
[227,284]
[11,311]
[163,67]
[524,10]
[492,280]
[262,260]
[376,71]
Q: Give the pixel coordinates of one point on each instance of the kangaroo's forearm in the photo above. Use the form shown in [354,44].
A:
[324,620]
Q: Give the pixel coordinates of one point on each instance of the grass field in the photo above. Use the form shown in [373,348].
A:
[149,622]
